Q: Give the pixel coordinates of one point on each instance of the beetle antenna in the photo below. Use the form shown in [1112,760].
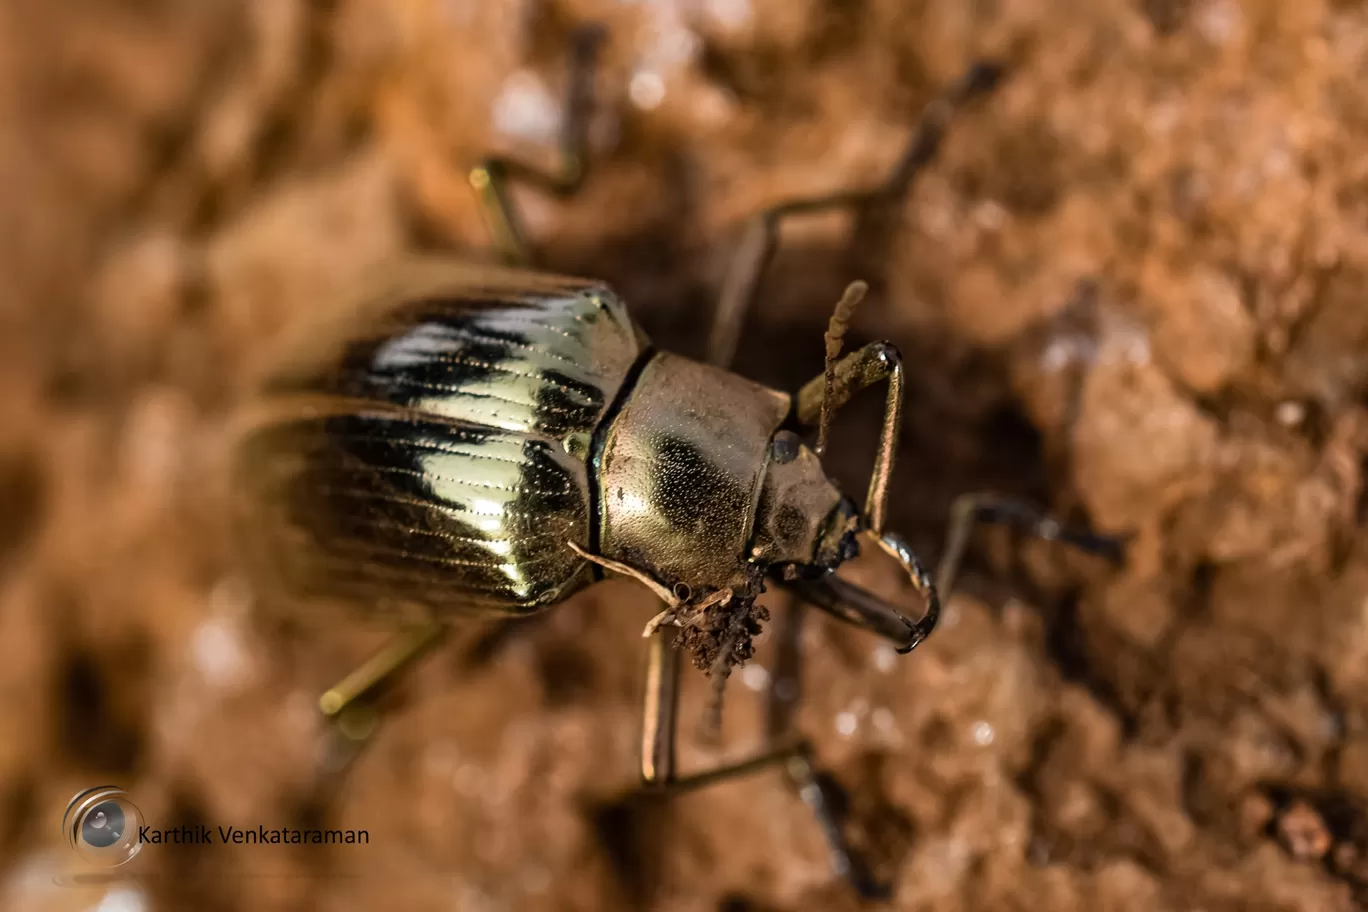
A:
[835,336]
[641,576]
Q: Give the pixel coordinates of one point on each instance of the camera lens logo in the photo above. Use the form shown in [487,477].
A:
[102,826]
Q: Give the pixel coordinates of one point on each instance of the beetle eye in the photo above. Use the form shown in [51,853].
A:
[784,447]
[682,591]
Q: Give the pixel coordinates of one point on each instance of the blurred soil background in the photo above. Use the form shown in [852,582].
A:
[1133,287]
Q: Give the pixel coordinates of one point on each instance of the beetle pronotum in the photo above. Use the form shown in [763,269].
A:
[484,441]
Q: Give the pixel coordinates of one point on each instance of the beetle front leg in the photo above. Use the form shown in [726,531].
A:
[492,176]
[853,373]
[760,240]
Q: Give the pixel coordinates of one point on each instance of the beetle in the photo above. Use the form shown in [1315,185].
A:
[476,441]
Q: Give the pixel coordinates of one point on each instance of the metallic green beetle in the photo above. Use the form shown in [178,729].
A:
[479,441]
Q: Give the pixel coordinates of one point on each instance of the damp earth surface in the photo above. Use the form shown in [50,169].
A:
[1131,288]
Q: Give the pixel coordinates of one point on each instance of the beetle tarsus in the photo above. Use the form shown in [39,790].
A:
[995,509]
[844,862]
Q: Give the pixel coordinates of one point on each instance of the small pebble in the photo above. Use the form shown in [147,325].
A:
[219,653]
[1303,832]
[755,677]
[1290,414]
[885,658]
[527,110]
[122,899]
[647,90]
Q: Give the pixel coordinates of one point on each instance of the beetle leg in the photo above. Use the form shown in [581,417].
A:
[353,720]
[994,509]
[492,176]
[861,608]
[847,602]
[760,239]
[342,702]
[784,694]
[658,717]
[854,605]
[660,723]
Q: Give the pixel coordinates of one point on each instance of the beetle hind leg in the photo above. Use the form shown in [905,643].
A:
[492,176]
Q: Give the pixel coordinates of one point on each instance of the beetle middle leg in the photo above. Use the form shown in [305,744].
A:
[785,750]
[760,240]
[492,176]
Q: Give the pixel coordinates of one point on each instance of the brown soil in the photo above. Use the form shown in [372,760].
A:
[1131,287]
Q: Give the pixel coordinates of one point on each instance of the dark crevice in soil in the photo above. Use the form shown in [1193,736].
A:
[189,877]
[18,809]
[568,674]
[628,830]
[753,78]
[1066,643]
[281,139]
[1046,737]
[1167,16]
[1196,595]
[1344,817]
[23,496]
[89,728]
[738,903]
[548,30]
[1201,797]
[171,145]
[1338,711]
[486,646]
[841,29]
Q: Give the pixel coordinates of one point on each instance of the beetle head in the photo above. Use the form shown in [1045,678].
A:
[803,525]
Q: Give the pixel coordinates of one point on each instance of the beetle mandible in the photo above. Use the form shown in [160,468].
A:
[479,441]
